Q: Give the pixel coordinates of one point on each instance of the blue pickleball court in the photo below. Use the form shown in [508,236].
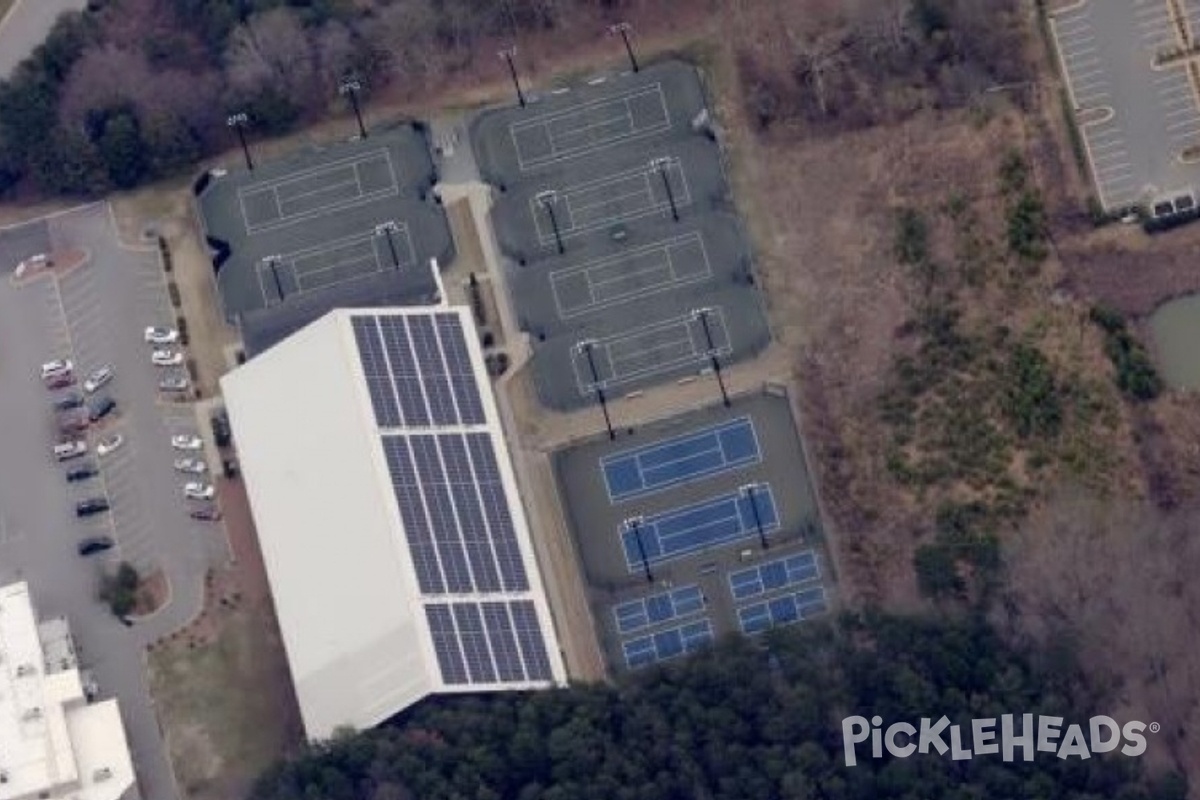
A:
[681,459]
[710,523]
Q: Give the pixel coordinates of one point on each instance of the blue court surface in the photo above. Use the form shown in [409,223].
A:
[758,617]
[668,644]
[709,523]
[773,575]
[656,609]
[681,459]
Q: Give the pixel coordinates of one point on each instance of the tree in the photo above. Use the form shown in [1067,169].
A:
[119,589]
[121,147]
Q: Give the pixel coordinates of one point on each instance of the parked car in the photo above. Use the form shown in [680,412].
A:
[70,449]
[101,407]
[222,435]
[98,378]
[110,444]
[73,421]
[186,441]
[93,505]
[208,513]
[68,402]
[195,490]
[81,473]
[161,335]
[57,368]
[94,544]
[194,466]
[166,357]
[174,383]
[60,381]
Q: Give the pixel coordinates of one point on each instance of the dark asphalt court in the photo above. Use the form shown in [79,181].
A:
[352,223]
[596,521]
[621,177]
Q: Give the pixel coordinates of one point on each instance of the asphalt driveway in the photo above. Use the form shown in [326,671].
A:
[95,316]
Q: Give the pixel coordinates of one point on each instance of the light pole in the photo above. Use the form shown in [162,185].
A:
[508,54]
[585,347]
[622,29]
[702,315]
[272,262]
[662,165]
[386,229]
[237,122]
[546,200]
[634,524]
[351,87]
[748,493]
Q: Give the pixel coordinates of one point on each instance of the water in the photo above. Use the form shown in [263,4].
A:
[1176,328]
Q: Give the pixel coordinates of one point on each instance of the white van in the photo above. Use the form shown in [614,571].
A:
[55,368]
[67,450]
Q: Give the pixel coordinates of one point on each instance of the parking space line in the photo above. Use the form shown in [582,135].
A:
[1174,126]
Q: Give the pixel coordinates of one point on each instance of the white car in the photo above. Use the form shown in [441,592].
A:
[173,383]
[186,441]
[195,466]
[57,368]
[165,357]
[110,444]
[195,490]
[161,336]
[98,378]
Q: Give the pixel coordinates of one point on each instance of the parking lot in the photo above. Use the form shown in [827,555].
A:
[625,259]
[1137,116]
[96,315]
[670,528]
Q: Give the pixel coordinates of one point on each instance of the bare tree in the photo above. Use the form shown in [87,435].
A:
[102,78]
[272,49]
[336,54]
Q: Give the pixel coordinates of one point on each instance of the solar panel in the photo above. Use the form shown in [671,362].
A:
[495,508]
[405,375]
[443,523]
[459,369]
[446,645]
[475,644]
[374,364]
[504,642]
[531,640]
[465,491]
[417,529]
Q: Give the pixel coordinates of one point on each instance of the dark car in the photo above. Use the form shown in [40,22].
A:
[73,421]
[208,513]
[101,407]
[93,505]
[94,544]
[82,473]
[222,435]
[68,402]
[59,381]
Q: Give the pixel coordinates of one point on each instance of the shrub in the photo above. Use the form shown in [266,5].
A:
[173,292]
[119,589]
[912,237]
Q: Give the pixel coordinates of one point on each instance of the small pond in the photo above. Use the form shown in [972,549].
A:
[1176,328]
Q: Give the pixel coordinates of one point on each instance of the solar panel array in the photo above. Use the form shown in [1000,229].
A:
[455,513]
[418,370]
[490,642]
[445,473]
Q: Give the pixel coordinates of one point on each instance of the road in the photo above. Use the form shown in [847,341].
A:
[25,27]
[95,315]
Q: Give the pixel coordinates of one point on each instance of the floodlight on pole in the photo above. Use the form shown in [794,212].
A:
[586,347]
[748,491]
[238,121]
[634,524]
[546,200]
[273,263]
[702,315]
[508,54]
[662,166]
[386,229]
[350,87]
[622,29]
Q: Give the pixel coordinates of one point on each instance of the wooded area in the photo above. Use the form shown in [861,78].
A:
[751,719]
[141,89]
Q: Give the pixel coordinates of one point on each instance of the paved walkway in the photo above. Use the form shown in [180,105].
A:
[26,25]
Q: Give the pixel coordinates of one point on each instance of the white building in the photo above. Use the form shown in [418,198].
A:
[388,516]
[54,744]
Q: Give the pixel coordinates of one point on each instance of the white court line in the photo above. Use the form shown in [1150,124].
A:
[666,247]
[545,120]
[246,216]
[1110,156]
[680,188]
[1082,76]
[323,211]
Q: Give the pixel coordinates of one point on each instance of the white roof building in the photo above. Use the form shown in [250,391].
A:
[54,744]
[388,516]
